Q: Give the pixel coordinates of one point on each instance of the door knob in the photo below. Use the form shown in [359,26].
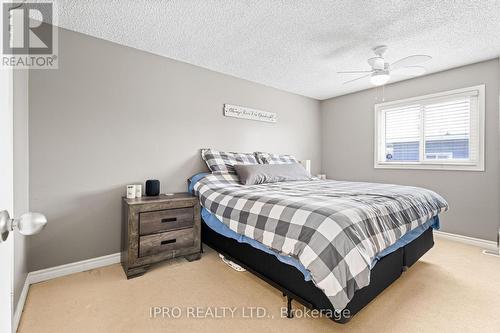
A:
[27,224]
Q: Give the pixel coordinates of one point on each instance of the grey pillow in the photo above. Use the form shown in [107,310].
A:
[253,174]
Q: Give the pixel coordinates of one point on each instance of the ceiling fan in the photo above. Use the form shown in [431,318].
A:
[381,70]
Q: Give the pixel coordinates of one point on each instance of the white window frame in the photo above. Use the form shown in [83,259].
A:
[379,139]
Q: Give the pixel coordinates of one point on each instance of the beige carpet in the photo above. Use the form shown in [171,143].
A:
[453,288]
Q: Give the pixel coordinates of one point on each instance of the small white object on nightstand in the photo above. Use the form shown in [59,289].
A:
[130,191]
[138,191]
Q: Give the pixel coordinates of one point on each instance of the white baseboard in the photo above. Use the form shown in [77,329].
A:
[75,267]
[20,304]
[58,271]
[482,243]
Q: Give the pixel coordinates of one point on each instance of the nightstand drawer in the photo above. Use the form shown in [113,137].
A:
[166,241]
[165,220]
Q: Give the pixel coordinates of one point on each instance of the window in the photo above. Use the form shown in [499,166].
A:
[438,131]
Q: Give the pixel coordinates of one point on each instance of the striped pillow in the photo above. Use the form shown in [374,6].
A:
[267,158]
[223,162]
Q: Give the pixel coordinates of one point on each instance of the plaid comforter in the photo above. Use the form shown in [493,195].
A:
[334,228]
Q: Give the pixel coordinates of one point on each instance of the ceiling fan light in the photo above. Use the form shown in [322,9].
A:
[379,79]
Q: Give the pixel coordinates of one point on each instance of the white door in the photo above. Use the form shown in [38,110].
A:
[6,199]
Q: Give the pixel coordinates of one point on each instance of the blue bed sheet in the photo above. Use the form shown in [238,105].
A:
[216,225]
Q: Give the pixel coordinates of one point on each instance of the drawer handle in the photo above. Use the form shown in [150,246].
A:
[168,241]
[170,219]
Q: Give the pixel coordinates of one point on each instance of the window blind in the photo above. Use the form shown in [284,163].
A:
[402,133]
[447,129]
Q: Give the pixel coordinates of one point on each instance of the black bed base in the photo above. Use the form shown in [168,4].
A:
[291,281]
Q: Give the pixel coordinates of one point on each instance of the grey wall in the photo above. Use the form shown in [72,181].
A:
[112,115]
[348,135]
[21,190]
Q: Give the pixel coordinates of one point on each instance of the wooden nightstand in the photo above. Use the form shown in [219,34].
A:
[159,228]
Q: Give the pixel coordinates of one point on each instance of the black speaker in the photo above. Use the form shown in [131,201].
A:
[152,187]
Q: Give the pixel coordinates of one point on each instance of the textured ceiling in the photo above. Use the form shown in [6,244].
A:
[297,45]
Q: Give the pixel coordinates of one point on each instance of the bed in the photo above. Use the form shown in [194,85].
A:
[330,245]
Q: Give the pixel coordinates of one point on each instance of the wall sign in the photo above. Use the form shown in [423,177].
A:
[248,113]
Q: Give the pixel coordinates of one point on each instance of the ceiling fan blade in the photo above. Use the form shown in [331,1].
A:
[409,71]
[410,61]
[358,78]
[353,72]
